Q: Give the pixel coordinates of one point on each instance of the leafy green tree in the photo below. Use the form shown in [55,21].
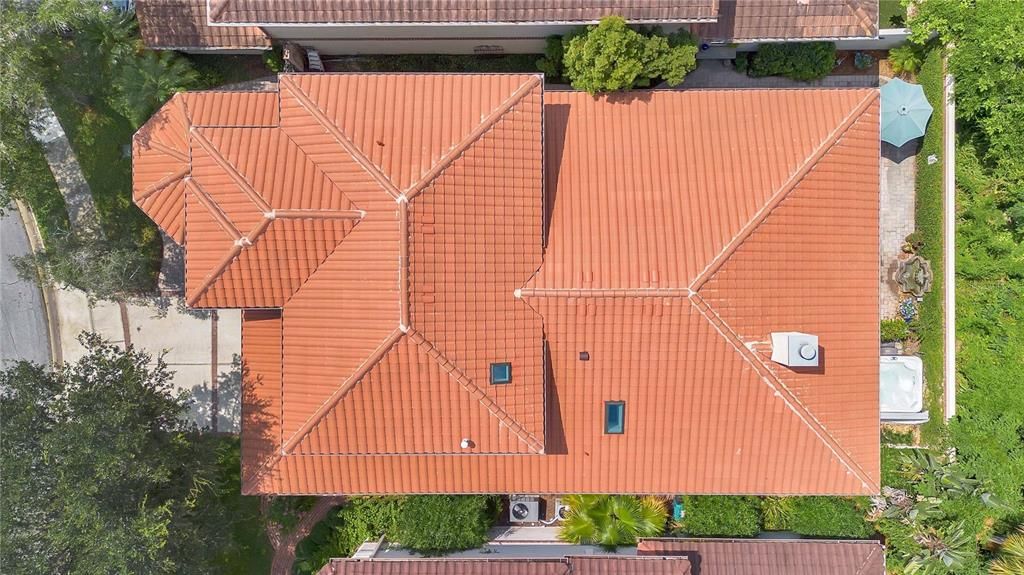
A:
[104,269]
[101,475]
[611,56]
[906,59]
[986,49]
[143,84]
[554,54]
[612,520]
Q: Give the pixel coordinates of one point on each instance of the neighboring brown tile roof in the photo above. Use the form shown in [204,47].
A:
[752,20]
[597,565]
[681,228]
[182,24]
[772,556]
[455,11]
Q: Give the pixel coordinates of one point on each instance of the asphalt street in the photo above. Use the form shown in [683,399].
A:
[23,333]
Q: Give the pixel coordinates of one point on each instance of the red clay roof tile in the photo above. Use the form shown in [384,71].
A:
[772,557]
[663,261]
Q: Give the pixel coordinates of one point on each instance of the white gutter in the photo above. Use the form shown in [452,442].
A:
[949,233]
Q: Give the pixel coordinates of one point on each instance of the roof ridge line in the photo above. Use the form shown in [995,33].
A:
[604,292]
[863,20]
[164,148]
[300,214]
[163,183]
[780,389]
[213,208]
[467,384]
[211,277]
[230,169]
[334,130]
[482,128]
[783,192]
[284,134]
[350,382]
[862,570]
[404,289]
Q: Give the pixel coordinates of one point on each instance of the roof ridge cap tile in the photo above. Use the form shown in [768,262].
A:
[783,192]
[789,398]
[485,126]
[864,20]
[480,395]
[347,385]
[335,131]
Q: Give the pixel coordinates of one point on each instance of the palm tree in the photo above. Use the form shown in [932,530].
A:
[1010,560]
[146,82]
[612,520]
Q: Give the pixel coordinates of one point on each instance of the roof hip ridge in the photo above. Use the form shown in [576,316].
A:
[163,183]
[335,131]
[791,400]
[350,382]
[467,383]
[230,169]
[471,138]
[783,192]
[604,292]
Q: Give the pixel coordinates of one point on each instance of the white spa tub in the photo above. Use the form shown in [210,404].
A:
[901,391]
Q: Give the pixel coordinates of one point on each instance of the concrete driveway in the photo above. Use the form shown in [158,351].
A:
[22,317]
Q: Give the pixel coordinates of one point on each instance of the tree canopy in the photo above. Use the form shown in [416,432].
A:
[612,520]
[100,473]
[612,56]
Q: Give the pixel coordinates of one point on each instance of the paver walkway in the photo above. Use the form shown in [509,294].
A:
[66,171]
[721,74]
[898,169]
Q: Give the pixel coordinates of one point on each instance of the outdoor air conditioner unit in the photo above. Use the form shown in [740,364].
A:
[523,509]
[795,349]
[561,510]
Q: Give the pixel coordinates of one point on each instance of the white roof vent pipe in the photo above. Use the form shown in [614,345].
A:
[795,349]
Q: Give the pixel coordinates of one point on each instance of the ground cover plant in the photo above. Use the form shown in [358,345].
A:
[720,516]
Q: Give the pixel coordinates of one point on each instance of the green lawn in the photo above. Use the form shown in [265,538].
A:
[32,181]
[889,9]
[929,326]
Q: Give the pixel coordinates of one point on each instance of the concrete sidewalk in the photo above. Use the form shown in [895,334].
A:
[203,349]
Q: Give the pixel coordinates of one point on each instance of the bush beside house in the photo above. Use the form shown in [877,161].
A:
[612,56]
[798,60]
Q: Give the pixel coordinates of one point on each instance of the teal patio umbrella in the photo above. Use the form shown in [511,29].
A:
[905,112]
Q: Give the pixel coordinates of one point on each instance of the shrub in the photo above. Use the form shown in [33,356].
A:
[742,62]
[273,60]
[554,54]
[894,329]
[435,524]
[721,516]
[906,59]
[863,60]
[828,517]
[611,56]
[612,520]
[799,60]
[776,512]
[342,532]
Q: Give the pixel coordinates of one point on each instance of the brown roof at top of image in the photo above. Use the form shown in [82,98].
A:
[584,565]
[454,11]
[753,20]
[411,230]
[772,557]
[180,24]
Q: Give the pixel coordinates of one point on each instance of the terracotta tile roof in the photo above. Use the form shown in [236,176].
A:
[182,24]
[753,20]
[597,565]
[772,557]
[674,239]
[455,11]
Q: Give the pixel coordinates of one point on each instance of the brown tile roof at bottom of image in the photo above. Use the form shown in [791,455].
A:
[182,25]
[772,556]
[397,223]
[584,565]
[454,11]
